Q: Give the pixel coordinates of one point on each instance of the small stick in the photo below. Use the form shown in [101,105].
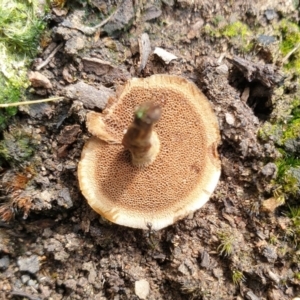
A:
[285,59]
[47,60]
[30,102]
[221,57]
[22,294]
[104,21]
[87,29]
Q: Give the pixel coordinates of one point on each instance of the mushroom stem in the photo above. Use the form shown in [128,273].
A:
[140,139]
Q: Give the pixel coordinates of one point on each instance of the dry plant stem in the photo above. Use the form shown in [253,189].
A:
[22,294]
[89,30]
[48,59]
[30,102]
[286,58]
[104,21]
[140,139]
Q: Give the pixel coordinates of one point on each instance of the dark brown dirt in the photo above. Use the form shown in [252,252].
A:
[230,249]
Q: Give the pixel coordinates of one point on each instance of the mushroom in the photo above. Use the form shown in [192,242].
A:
[168,175]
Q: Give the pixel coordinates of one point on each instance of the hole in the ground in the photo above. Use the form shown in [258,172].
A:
[255,94]
[260,100]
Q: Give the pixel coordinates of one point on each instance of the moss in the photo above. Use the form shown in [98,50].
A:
[237,277]
[238,33]
[290,36]
[217,20]
[16,147]
[270,131]
[294,229]
[20,28]
[236,29]
[273,240]
[211,31]
[292,130]
[290,39]
[227,241]
[287,175]
[285,131]
[296,108]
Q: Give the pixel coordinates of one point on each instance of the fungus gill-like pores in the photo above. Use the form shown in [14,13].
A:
[154,166]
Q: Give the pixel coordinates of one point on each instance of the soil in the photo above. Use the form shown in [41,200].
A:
[54,246]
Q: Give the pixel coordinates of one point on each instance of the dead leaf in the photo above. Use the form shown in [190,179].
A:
[166,56]
[145,50]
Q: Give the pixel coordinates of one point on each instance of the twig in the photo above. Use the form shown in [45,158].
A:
[87,29]
[22,294]
[285,59]
[29,102]
[47,60]
[221,57]
[104,21]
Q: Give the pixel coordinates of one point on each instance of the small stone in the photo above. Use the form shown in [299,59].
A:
[222,69]
[205,260]
[251,296]
[123,16]
[82,282]
[168,2]
[270,14]
[218,273]
[64,198]
[266,39]
[61,256]
[37,79]
[47,233]
[229,118]
[151,12]
[74,44]
[142,288]
[45,196]
[274,294]
[45,290]
[273,276]
[4,263]
[73,243]
[29,264]
[195,29]
[32,283]
[269,170]
[25,278]
[69,134]
[88,266]
[271,204]
[183,269]
[269,252]
[55,246]
[71,284]
[292,145]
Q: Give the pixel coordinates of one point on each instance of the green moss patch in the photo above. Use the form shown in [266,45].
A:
[238,34]
[290,41]
[17,146]
[20,29]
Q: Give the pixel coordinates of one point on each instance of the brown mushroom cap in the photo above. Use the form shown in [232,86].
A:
[183,175]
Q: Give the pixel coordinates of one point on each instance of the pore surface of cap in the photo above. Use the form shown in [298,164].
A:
[184,173]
